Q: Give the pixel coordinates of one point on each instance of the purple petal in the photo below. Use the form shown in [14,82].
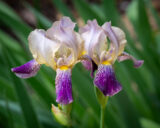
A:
[64,86]
[106,81]
[89,64]
[27,70]
[126,56]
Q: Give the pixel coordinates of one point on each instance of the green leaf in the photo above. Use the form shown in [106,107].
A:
[24,100]
[146,123]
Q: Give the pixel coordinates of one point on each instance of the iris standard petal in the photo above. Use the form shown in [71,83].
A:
[64,86]
[27,70]
[112,37]
[117,38]
[121,37]
[126,56]
[106,81]
[42,48]
[95,40]
[63,31]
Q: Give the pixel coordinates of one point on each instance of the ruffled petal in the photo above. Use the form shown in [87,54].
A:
[42,48]
[95,40]
[121,39]
[117,38]
[106,81]
[126,56]
[64,86]
[112,37]
[63,31]
[27,70]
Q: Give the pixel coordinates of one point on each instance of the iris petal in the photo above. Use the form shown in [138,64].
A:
[117,38]
[126,56]
[64,86]
[27,70]
[112,36]
[63,31]
[106,81]
[95,40]
[89,64]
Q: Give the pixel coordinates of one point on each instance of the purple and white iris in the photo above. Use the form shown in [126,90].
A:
[60,47]
[105,54]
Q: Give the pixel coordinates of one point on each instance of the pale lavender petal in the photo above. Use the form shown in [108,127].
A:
[112,36]
[106,81]
[27,70]
[64,86]
[94,39]
[62,31]
[126,56]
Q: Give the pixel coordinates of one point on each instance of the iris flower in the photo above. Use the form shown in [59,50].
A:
[105,45]
[59,47]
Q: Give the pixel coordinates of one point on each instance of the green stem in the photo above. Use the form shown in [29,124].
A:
[102,117]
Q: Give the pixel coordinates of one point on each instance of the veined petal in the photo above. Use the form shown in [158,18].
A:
[63,31]
[121,38]
[106,81]
[117,38]
[64,86]
[27,70]
[112,36]
[42,48]
[95,40]
[126,56]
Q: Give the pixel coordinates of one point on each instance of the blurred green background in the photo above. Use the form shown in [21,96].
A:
[27,103]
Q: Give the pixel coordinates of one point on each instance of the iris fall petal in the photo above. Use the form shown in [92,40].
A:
[126,56]
[64,86]
[27,70]
[106,81]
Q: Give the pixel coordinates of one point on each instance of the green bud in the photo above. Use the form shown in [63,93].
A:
[102,99]
[62,114]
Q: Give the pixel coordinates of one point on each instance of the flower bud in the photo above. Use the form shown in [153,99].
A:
[62,114]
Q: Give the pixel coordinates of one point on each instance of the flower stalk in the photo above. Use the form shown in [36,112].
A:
[102,117]
[102,100]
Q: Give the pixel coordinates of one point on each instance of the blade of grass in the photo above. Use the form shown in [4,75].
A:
[24,100]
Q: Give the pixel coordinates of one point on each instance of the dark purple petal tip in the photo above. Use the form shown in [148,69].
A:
[64,86]
[126,56]
[27,70]
[106,81]
[138,63]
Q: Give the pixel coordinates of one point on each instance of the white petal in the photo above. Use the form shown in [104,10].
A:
[121,38]
[42,48]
